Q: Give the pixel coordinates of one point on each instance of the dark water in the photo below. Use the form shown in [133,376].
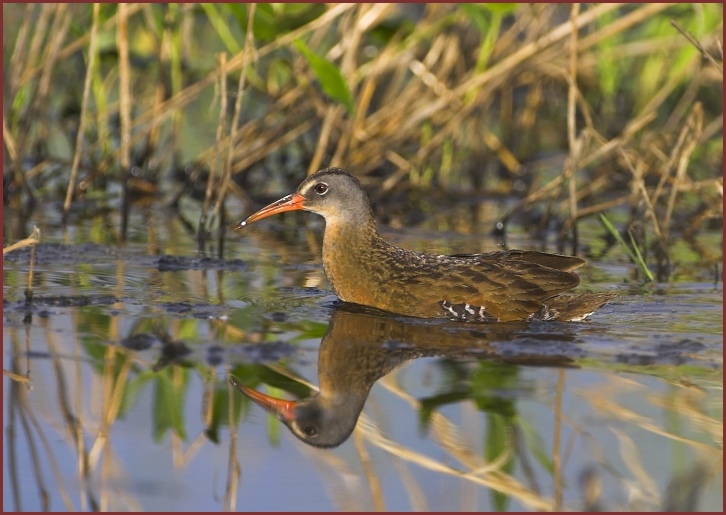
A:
[128,349]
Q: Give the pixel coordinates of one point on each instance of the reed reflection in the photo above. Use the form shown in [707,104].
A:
[362,345]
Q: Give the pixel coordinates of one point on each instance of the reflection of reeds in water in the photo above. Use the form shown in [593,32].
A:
[452,440]
[685,400]
[642,491]
[87,429]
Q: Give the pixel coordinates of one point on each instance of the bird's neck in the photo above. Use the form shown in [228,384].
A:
[350,253]
[347,240]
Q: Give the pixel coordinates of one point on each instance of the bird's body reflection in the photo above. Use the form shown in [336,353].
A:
[362,345]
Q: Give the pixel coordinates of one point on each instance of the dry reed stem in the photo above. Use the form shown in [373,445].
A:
[673,82]
[374,483]
[16,377]
[699,46]
[249,47]
[689,403]
[154,133]
[332,118]
[182,458]
[18,403]
[505,156]
[31,269]
[638,185]
[252,134]
[615,145]
[30,240]
[84,110]
[557,430]
[631,457]
[79,440]
[254,156]
[239,60]
[452,125]
[58,31]
[350,41]
[36,44]
[507,64]
[684,104]
[234,471]
[498,481]
[603,405]
[639,15]
[72,420]
[365,18]
[60,479]
[34,456]
[124,71]
[711,129]
[694,125]
[630,130]
[221,93]
[449,436]
[11,449]
[670,161]
[12,147]
[73,47]
[18,57]
[575,144]
[416,495]
[396,118]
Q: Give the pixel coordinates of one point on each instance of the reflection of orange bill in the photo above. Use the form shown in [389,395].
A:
[282,409]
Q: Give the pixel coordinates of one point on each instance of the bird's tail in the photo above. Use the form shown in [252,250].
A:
[572,308]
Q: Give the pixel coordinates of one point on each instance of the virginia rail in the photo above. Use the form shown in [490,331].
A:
[360,347]
[364,269]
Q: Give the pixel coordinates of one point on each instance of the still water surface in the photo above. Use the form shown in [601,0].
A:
[128,349]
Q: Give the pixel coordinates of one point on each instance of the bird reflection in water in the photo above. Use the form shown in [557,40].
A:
[362,345]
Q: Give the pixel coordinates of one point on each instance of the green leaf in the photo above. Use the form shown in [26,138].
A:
[132,389]
[478,14]
[291,16]
[502,9]
[311,330]
[220,409]
[533,442]
[498,427]
[263,26]
[168,407]
[329,77]
[219,22]
[274,20]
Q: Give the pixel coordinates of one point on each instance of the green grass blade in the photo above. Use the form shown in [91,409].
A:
[636,256]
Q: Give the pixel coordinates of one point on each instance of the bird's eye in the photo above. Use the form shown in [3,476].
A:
[321,188]
[311,431]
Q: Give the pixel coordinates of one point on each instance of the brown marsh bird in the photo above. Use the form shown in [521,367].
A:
[364,269]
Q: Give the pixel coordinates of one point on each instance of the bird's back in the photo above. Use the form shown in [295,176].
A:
[496,286]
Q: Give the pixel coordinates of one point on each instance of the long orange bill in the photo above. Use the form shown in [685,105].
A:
[290,203]
[282,409]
